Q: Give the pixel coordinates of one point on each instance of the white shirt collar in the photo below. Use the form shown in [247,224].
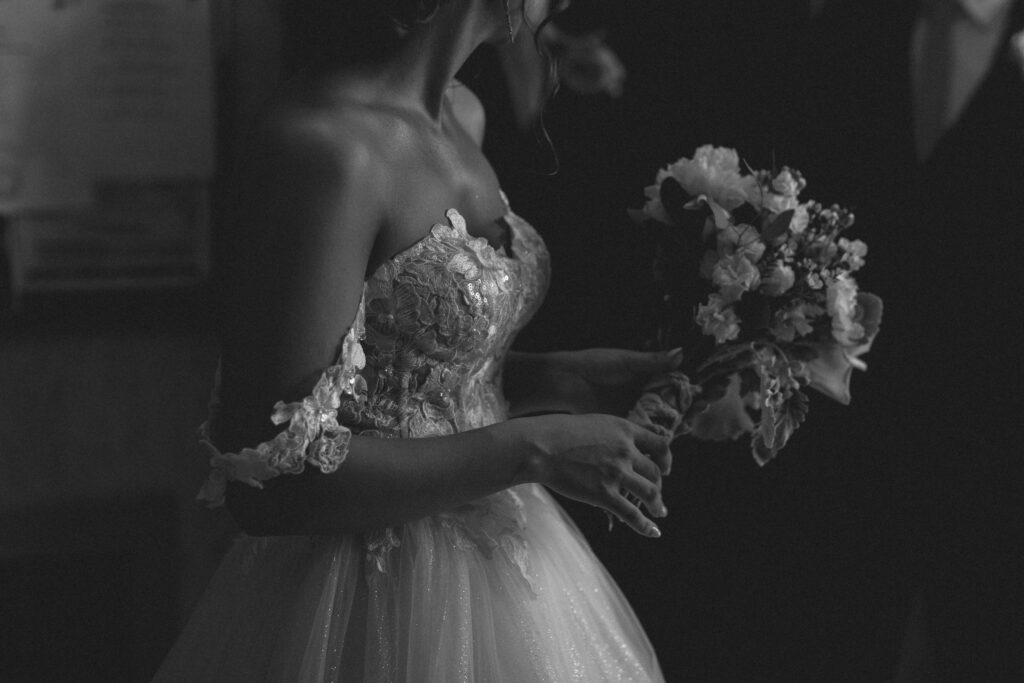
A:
[984,12]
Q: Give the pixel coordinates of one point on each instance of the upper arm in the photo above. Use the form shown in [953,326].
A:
[469,111]
[302,224]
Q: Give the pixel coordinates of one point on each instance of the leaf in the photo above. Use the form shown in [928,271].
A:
[750,380]
[724,417]
[725,360]
[869,314]
[744,213]
[802,352]
[774,432]
[778,227]
[831,371]
[664,404]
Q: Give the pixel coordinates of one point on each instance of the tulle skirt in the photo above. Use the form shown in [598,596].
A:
[448,599]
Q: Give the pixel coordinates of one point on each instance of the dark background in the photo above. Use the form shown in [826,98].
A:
[807,569]
[797,571]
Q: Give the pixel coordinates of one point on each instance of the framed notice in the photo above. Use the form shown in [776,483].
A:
[150,234]
[106,141]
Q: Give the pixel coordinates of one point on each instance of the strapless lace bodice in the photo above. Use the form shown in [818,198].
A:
[439,319]
[423,356]
[502,588]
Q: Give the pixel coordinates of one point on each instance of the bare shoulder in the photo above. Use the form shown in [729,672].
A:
[468,110]
[307,170]
[318,142]
[305,206]
[304,214]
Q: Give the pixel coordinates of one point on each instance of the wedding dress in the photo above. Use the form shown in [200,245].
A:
[504,589]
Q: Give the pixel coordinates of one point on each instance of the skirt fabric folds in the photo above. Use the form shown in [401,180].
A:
[438,607]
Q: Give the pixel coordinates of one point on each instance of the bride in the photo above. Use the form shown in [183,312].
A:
[398,524]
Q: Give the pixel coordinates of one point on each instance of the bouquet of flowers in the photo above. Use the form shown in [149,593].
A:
[778,308]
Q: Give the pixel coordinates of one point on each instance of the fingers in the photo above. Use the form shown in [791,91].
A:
[647,470]
[643,480]
[648,492]
[654,446]
[644,363]
[647,442]
[663,459]
[630,515]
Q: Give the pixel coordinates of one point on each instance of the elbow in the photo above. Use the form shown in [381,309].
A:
[288,506]
[252,509]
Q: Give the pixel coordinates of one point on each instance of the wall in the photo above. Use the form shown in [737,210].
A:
[103,549]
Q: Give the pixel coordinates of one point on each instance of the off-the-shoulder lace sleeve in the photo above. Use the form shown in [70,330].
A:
[313,435]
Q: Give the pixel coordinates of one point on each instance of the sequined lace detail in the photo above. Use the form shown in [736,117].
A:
[313,434]
[422,359]
[440,317]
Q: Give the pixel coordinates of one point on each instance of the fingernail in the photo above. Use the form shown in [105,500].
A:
[653,531]
[676,355]
[662,511]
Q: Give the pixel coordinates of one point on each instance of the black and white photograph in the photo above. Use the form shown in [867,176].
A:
[511,341]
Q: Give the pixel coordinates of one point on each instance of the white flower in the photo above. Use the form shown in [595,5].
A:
[786,183]
[854,252]
[717,319]
[654,209]
[735,275]
[776,203]
[715,173]
[831,371]
[801,219]
[841,297]
[795,322]
[741,239]
[727,417]
[779,280]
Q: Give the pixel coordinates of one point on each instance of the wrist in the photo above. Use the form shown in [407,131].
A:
[531,382]
[516,439]
[563,380]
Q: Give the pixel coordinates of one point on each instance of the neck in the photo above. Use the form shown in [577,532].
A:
[427,58]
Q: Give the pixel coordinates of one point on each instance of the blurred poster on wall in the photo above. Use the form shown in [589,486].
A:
[106,140]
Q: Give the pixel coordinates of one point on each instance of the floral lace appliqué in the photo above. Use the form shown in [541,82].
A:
[489,525]
[423,359]
[313,435]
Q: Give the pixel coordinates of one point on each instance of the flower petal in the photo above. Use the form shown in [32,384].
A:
[725,418]
[830,372]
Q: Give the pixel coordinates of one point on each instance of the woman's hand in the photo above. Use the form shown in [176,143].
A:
[600,460]
[590,381]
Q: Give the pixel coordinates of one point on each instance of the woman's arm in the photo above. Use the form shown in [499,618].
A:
[589,381]
[384,482]
[310,201]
